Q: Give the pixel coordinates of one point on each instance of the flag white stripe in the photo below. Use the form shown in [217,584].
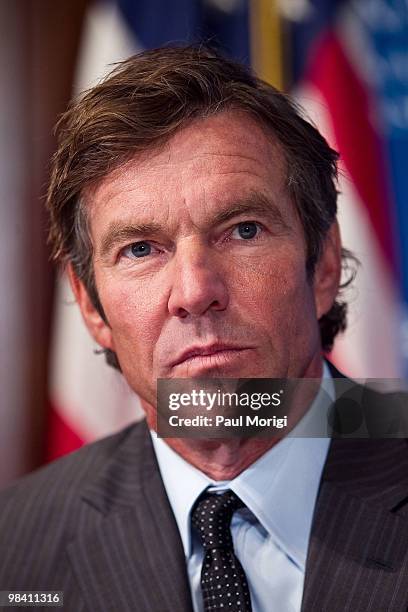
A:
[92,398]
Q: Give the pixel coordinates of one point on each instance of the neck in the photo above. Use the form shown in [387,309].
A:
[221,459]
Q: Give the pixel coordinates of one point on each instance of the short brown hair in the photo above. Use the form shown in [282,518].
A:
[140,105]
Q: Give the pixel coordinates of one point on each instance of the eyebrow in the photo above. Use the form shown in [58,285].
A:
[117,232]
[255,203]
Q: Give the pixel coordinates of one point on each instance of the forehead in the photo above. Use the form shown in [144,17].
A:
[205,163]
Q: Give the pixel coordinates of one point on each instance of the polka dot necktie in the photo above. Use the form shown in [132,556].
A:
[223,581]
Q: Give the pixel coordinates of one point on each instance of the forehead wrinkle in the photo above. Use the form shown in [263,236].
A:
[172,162]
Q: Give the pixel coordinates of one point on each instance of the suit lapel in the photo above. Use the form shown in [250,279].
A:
[130,557]
[359,537]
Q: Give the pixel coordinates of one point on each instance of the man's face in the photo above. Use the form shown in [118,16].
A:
[199,261]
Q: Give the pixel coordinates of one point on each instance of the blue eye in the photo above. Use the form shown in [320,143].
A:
[247,229]
[140,249]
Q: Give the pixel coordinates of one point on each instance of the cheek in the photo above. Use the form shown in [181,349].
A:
[134,315]
[275,288]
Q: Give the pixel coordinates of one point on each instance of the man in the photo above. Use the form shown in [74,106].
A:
[195,211]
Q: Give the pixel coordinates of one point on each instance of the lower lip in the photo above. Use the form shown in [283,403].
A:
[219,359]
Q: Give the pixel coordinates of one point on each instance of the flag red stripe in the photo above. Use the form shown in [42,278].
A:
[61,438]
[351,108]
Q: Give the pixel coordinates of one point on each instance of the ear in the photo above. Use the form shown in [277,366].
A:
[98,328]
[328,272]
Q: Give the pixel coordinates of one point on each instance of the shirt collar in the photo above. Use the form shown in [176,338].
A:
[280,488]
[183,483]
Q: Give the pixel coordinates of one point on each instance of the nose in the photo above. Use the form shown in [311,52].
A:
[198,282]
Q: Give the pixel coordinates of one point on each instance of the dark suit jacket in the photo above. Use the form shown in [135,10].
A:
[97,525]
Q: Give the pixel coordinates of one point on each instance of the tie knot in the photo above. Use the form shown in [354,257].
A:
[211,517]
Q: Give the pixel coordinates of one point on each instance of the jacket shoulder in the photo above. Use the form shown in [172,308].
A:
[56,487]
[42,512]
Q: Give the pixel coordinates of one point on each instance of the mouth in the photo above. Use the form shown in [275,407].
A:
[210,355]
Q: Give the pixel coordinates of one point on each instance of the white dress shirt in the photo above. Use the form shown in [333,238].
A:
[271,534]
